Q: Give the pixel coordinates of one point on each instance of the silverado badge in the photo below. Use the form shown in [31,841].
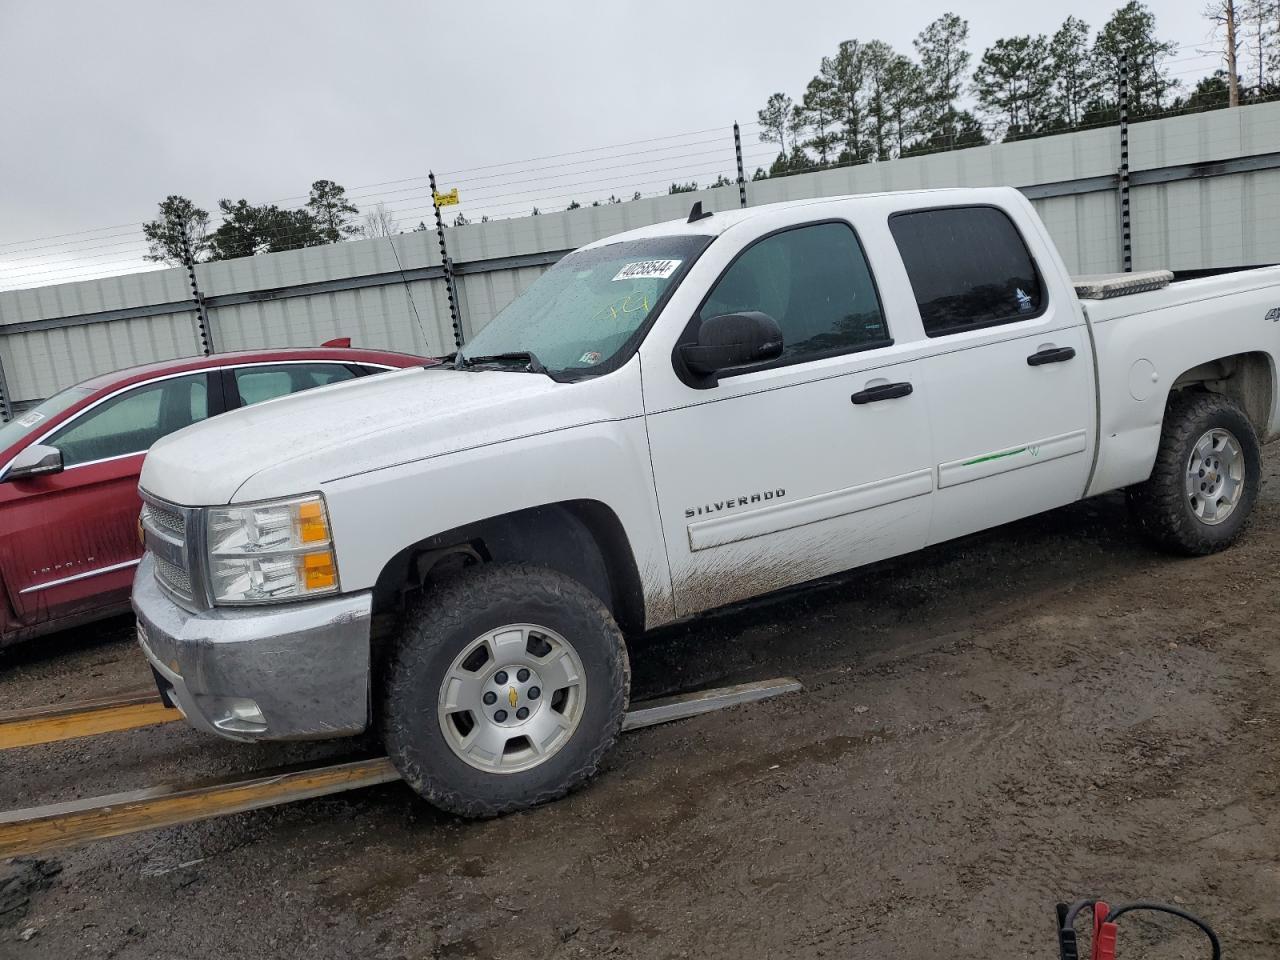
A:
[730,502]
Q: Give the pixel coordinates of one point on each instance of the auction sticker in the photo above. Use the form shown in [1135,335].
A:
[31,419]
[647,269]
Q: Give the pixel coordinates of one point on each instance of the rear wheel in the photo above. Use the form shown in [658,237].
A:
[1205,480]
[508,686]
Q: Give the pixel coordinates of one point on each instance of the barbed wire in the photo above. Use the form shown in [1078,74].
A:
[355,192]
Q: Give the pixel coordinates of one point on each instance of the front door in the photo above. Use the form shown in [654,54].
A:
[69,541]
[813,464]
[1009,371]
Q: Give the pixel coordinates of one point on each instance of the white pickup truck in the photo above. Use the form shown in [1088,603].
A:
[669,420]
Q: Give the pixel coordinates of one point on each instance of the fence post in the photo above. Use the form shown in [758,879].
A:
[742,177]
[202,316]
[450,289]
[1126,231]
[6,404]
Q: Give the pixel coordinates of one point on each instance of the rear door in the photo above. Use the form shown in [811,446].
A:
[1008,368]
[69,541]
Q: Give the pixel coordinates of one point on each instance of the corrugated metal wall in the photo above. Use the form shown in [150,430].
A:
[67,332]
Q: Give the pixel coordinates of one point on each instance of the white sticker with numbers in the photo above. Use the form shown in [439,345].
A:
[31,419]
[647,269]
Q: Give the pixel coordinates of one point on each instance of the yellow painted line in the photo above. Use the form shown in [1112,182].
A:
[59,825]
[26,728]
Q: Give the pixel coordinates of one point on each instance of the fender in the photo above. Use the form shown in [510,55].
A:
[1144,354]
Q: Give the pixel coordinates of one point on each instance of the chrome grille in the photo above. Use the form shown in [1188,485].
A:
[164,519]
[170,532]
[173,577]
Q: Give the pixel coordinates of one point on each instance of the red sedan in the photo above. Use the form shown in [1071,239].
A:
[69,482]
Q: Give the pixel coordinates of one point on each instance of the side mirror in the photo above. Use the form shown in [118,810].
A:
[36,460]
[732,340]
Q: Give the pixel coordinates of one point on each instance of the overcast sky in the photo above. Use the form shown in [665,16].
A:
[108,107]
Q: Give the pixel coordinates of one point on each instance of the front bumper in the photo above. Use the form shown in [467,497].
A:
[297,671]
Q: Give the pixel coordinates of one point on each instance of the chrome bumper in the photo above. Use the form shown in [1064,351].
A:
[295,671]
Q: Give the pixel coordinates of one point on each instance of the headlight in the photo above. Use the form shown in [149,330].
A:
[264,552]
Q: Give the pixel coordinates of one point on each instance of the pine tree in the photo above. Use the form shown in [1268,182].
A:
[848,74]
[1074,81]
[179,220]
[1014,81]
[818,110]
[775,120]
[1226,24]
[1210,93]
[1130,37]
[878,57]
[1258,19]
[331,210]
[247,230]
[904,82]
[944,62]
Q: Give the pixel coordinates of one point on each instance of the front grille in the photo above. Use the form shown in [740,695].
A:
[164,519]
[173,534]
[173,577]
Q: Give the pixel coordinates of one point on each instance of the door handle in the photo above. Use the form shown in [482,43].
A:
[1051,355]
[883,391]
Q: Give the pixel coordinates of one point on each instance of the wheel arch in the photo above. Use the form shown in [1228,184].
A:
[583,539]
[1247,378]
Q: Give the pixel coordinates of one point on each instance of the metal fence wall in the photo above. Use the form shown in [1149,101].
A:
[1205,194]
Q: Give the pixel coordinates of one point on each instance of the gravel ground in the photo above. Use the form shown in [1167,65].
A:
[1045,711]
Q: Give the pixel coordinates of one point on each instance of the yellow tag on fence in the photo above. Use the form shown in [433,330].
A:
[447,199]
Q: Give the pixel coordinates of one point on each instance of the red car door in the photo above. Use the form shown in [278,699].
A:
[69,541]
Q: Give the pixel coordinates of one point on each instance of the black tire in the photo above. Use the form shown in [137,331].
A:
[1161,506]
[439,626]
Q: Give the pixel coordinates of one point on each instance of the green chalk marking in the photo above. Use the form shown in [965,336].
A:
[994,456]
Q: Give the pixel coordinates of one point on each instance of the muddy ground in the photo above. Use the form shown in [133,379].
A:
[1044,711]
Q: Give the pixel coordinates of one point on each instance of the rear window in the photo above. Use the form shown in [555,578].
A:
[260,383]
[968,268]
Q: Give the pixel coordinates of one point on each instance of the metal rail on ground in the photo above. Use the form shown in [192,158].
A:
[27,728]
[59,825]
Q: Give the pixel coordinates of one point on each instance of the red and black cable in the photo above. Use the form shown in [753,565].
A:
[1104,927]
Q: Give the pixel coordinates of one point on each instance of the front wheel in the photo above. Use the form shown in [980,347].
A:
[508,686]
[1206,475]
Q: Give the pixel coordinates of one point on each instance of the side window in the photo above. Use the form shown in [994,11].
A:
[133,421]
[815,282]
[257,384]
[968,268]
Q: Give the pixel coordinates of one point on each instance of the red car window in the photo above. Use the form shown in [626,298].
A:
[260,383]
[132,421]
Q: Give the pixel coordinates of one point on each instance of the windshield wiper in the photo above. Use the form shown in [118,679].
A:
[532,362]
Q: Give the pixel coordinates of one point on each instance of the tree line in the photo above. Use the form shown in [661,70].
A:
[867,102]
[245,229]
[870,102]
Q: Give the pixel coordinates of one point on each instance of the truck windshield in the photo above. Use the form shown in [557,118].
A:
[584,311]
[39,416]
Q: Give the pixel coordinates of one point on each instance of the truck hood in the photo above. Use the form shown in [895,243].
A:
[295,444]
